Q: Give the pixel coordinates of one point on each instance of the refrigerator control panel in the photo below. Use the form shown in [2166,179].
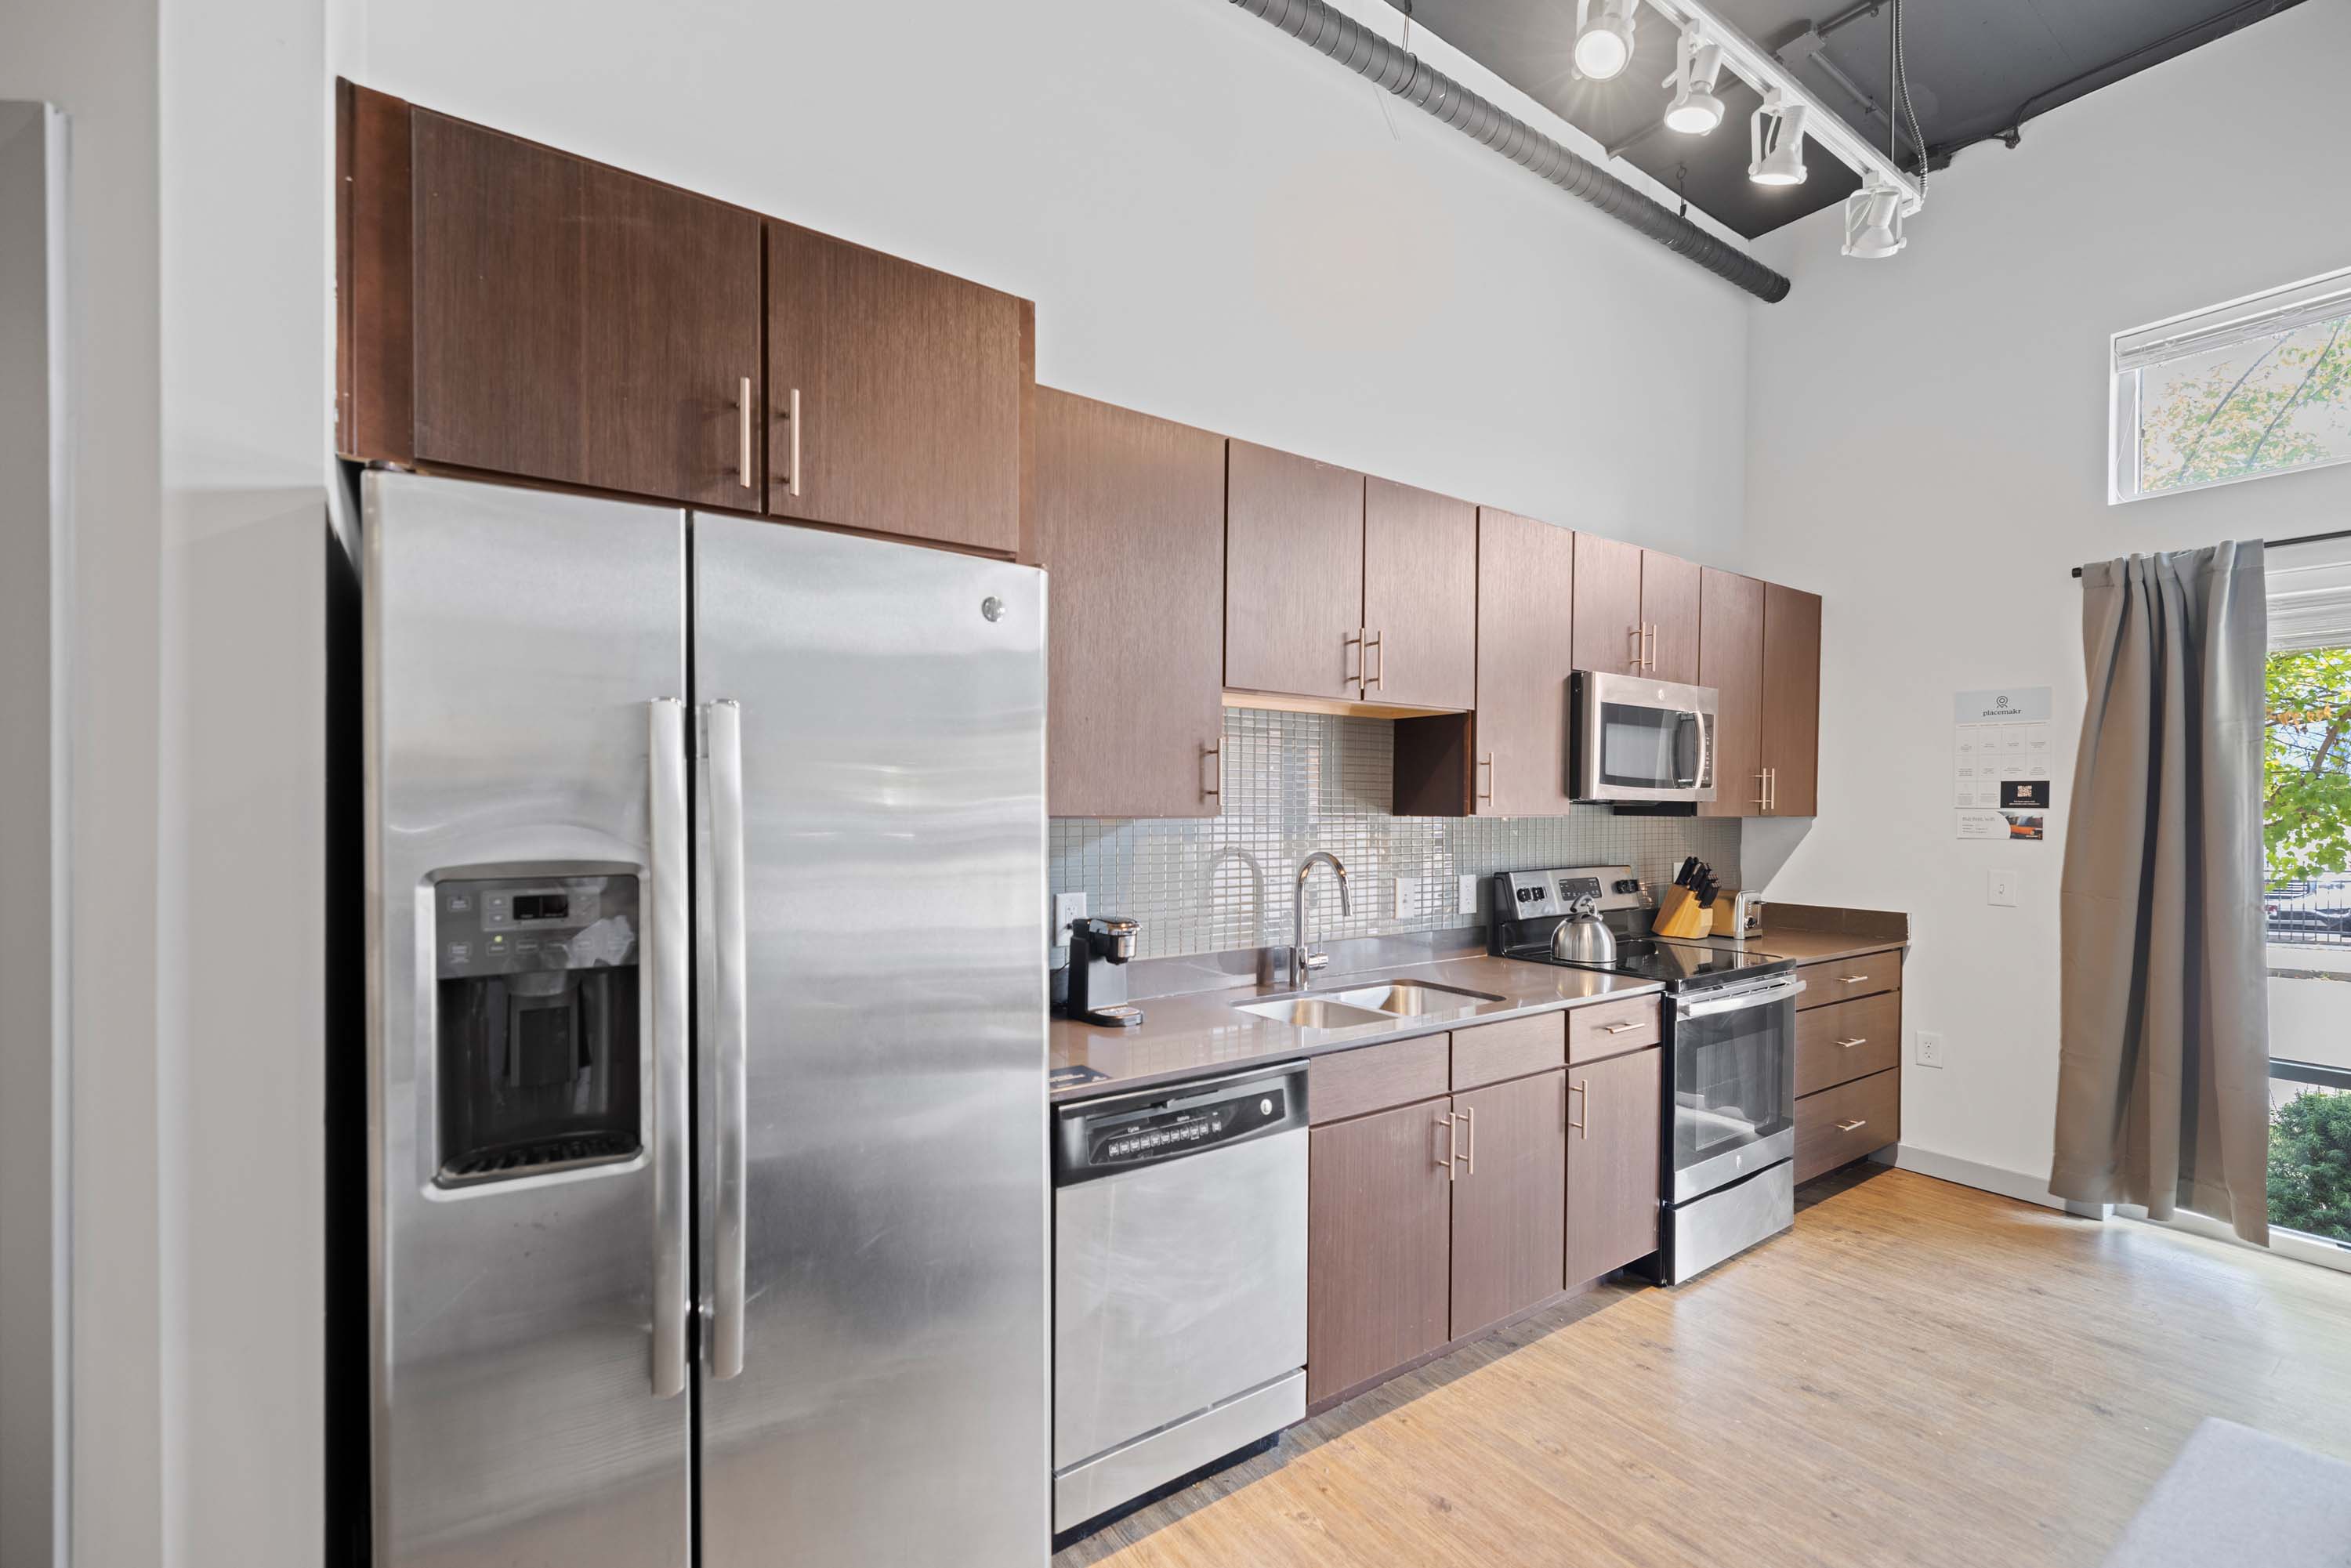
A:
[510,925]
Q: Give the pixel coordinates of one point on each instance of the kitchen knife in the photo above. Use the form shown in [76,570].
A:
[1689,869]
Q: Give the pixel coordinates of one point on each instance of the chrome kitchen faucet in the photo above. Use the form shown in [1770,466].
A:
[1302,959]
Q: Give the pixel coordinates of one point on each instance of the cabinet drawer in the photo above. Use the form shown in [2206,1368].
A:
[1840,1124]
[1846,1040]
[1356,1083]
[1610,1028]
[1841,980]
[1511,1048]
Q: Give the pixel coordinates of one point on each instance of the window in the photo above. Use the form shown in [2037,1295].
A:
[2257,386]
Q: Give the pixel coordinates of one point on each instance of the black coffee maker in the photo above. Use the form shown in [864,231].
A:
[1100,946]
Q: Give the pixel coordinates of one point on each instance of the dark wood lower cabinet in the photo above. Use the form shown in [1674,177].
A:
[1614,1120]
[1839,1125]
[1380,1213]
[1509,1188]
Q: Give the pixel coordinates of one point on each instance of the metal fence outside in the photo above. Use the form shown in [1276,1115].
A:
[2314,914]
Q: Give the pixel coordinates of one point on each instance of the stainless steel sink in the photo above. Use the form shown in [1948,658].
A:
[1381,1002]
[1416,998]
[1315,1012]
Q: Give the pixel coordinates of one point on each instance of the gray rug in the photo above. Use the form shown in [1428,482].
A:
[2238,1496]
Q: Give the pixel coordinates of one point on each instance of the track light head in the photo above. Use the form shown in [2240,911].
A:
[1695,110]
[1872,222]
[1777,148]
[1604,43]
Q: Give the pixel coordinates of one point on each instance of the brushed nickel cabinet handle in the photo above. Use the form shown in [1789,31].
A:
[1775,774]
[1762,788]
[792,417]
[1487,762]
[1215,757]
[1851,980]
[1451,1124]
[1854,1126]
[1359,679]
[1470,1113]
[1849,1044]
[1583,1129]
[1640,647]
[742,416]
[1377,639]
[1649,646]
[1619,1028]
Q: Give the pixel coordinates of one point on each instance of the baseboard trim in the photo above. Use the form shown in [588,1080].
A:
[2032,1189]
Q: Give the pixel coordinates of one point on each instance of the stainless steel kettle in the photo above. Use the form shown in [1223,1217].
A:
[1583,937]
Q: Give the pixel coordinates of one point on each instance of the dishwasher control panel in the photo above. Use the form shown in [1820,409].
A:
[1099,1138]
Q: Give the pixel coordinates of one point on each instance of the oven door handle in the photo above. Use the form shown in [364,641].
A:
[1762,996]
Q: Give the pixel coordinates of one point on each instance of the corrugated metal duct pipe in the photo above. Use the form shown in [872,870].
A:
[1372,57]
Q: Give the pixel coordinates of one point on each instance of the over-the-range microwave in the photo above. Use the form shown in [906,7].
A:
[1634,738]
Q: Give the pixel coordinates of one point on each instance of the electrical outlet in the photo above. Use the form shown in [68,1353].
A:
[1468,902]
[2003,890]
[1930,1048]
[1408,897]
[1068,908]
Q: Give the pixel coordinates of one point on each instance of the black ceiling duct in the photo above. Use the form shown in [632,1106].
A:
[1375,59]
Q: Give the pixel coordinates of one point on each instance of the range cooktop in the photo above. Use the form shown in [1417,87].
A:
[1675,965]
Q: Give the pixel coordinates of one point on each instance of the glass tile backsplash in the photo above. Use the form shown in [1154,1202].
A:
[1296,782]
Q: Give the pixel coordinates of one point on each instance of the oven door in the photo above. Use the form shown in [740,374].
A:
[1734,1090]
[1639,739]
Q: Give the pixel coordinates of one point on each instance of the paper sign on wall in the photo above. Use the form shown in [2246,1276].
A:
[2002,762]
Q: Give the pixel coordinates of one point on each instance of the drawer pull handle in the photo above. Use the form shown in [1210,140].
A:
[1851,980]
[1620,1028]
[1849,1044]
[1853,1126]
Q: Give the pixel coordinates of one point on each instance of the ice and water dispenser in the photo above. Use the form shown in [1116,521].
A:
[536,987]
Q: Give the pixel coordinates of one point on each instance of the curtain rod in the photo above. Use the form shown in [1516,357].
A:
[2281,544]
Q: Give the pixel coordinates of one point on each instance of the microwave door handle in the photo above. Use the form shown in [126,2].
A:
[1697,721]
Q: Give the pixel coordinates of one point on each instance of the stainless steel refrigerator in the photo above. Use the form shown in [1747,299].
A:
[706,883]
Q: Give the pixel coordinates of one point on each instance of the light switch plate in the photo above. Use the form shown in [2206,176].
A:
[1469,904]
[1408,897]
[1067,907]
[1930,1048]
[2002,889]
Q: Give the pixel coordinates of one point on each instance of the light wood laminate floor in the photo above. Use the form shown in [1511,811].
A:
[1919,1373]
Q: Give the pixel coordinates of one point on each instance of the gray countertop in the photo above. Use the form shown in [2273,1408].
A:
[1204,1031]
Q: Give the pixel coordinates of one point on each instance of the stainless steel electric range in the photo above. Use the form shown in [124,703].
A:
[1728,1179]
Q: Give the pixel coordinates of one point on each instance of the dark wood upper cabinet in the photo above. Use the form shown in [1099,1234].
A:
[1420,596]
[578,324]
[1526,572]
[1730,660]
[1607,634]
[1615,1116]
[1131,528]
[1791,699]
[1293,575]
[1509,1196]
[896,395]
[1669,613]
[1379,1226]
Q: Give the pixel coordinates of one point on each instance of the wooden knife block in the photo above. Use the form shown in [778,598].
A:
[1681,915]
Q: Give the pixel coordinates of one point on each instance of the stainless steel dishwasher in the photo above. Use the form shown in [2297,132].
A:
[1179,1282]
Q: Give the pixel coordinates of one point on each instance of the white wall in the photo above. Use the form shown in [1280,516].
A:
[96,60]
[1928,441]
[1216,223]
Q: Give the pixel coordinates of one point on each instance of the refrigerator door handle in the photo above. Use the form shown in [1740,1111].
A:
[671,955]
[731,1034]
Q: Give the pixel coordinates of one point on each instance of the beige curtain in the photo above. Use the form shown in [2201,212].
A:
[2163,1064]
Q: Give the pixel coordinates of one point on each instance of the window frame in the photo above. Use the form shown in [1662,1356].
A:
[2320,299]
